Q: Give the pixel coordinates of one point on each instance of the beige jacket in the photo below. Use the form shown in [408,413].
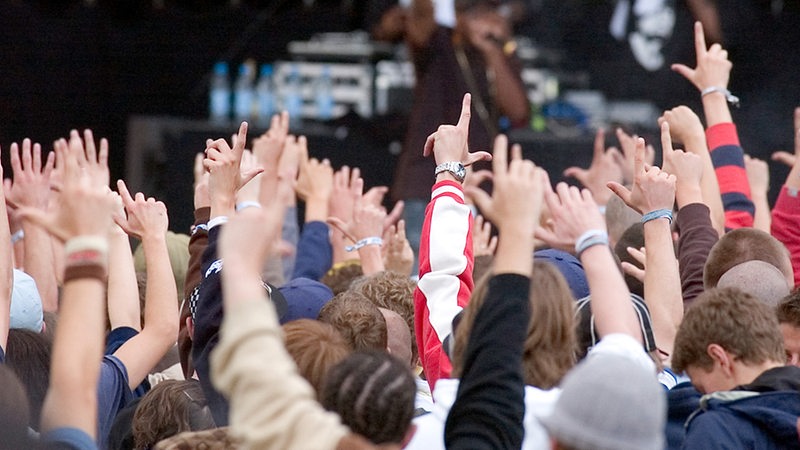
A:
[271,405]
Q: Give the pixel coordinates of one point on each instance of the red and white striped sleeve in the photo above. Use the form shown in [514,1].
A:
[445,275]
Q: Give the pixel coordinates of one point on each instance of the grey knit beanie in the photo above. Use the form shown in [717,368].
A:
[609,402]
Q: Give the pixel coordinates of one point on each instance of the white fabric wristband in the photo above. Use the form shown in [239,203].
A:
[364,242]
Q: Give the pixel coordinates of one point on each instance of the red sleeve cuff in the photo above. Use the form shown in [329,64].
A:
[722,134]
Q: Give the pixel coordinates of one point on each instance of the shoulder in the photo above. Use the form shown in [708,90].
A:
[67,439]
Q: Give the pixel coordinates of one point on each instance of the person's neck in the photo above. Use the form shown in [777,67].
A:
[747,373]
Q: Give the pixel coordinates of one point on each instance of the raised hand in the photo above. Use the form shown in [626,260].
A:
[687,167]
[573,212]
[223,163]
[269,146]
[375,195]
[89,158]
[315,180]
[31,185]
[84,206]
[347,188]
[652,188]
[449,142]
[476,195]
[713,67]
[145,217]
[517,196]
[250,191]
[397,253]
[483,243]
[790,159]
[607,165]
[201,196]
[685,128]
[517,193]
[627,143]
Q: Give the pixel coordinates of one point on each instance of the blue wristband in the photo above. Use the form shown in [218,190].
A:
[658,214]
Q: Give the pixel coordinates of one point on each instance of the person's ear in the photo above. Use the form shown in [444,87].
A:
[721,358]
[409,434]
[190,327]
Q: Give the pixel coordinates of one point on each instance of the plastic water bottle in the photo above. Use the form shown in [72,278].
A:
[293,97]
[264,95]
[219,95]
[244,93]
[323,94]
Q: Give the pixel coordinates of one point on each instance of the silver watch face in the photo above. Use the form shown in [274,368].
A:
[456,168]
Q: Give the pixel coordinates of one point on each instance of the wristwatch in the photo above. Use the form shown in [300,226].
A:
[455,167]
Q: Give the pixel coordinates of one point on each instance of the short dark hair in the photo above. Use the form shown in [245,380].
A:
[357,319]
[392,291]
[373,393]
[340,277]
[632,237]
[171,407]
[788,310]
[732,319]
[744,244]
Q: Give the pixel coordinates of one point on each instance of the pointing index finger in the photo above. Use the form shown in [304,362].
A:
[666,141]
[638,160]
[466,114]
[699,39]
[241,139]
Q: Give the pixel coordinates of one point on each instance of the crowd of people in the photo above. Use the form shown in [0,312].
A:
[652,308]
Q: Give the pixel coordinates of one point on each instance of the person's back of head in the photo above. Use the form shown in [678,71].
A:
[609,402]
[357,319]
[724,322]
[759,279]
[619,218]
[632,237]
[399,341]
[551,342]
[342,275]
[393,291]
[315,347]
[28,356]
[745,244]
[171,407]
[373,392]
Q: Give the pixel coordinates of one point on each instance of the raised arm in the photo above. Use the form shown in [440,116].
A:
[31,189]
[656,196]
[314,187]
[607,165]
[82,217]
[710,77]
[147,220]
[489,406]
[6,270]
[685,127]
[420,23]
[445,255]
[578,226]
[786,213]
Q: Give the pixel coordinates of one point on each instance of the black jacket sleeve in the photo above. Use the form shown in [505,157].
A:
[207,323]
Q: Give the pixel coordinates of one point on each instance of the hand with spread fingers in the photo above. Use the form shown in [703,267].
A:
[85,207]
[653,188]
[32,180]
[573,212]
[607,165]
